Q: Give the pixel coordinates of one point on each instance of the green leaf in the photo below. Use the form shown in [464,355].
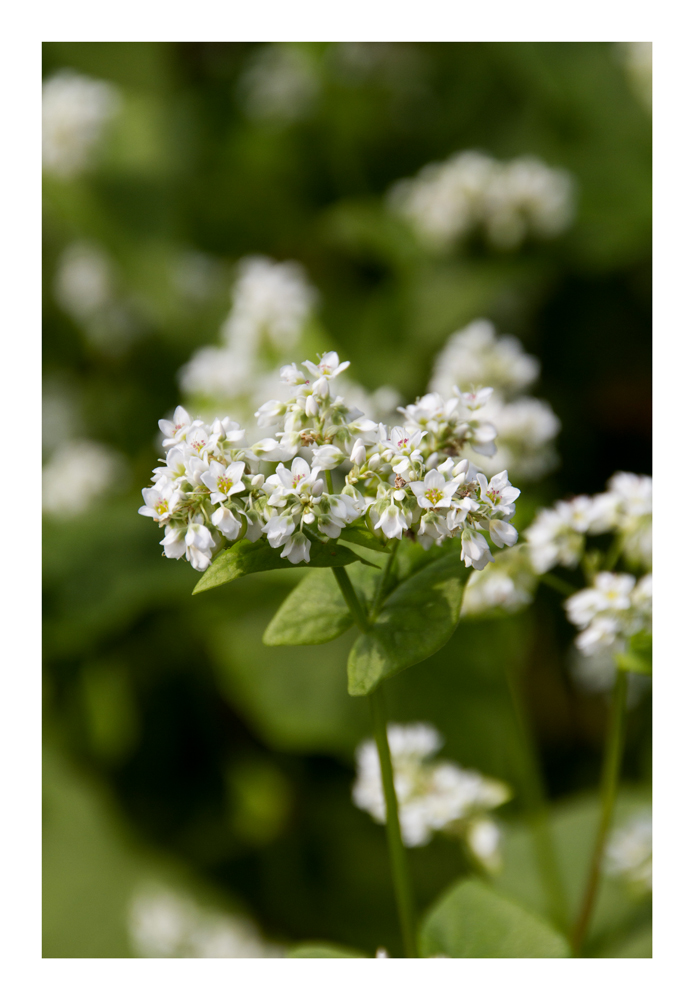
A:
[363,537]
[573,825]
[323,949]
[418,618]
[638,655]
[474,921]
[256,557]
[313,613]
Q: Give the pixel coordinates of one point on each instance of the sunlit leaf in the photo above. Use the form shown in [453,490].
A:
[256,557]
[474,921]
[418,617]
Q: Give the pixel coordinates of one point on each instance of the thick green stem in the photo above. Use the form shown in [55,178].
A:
[536,805]
[398,859]
[396,849]
[328,480]
[383,580]
[614,747]
[351,598]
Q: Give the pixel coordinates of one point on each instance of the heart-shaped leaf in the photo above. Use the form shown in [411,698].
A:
[417,618]
[473,921]
[256,557]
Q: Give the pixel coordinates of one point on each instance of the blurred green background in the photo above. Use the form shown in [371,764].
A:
[178,747]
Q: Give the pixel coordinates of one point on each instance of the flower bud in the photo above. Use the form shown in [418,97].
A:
[321,388]
[257,481]
[311,406]
[375,462]
[358,455]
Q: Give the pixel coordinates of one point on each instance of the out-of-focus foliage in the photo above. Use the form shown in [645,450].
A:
[179,731]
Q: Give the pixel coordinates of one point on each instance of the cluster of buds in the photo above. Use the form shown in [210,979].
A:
[409,480]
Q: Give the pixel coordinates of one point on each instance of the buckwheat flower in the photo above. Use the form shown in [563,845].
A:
[160,502]
[175,430]
[327,457]
[76,110]
[499,493]
[526,429]
[432,795]
[557,535]
[629,853]
[271,299]
[200,544]
[227,523]
[627,508]
[84,283]
[279,84]
[612,610]
[434,491]
[483,838]
[163,923]
[223,481]
[477,355]
[474,549]
[78,473]
[328,366]
[392,522]
[297,549]
[507,585]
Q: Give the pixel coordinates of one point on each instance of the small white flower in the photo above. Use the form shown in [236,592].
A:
[328,366]
[224,520]
[327,457]
[434,491]
[297,548]
[223,481]
[160,502]
[392,522]
[474,549]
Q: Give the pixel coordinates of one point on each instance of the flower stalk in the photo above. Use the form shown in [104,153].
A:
[609,783]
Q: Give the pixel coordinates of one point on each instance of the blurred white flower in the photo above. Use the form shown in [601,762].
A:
[76,109]
[627,509]
[432,795]
[638,62]
[167,924]
[85,286]
[525,427]
[508,584]
[78,473]
[615,608]
[477,355]
[629,853]
[595,674]
[279,84]
[470,191]
[59,416]
[269,299]
[84,281]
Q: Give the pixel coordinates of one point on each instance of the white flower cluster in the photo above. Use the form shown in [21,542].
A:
[471,191]
[271,304]
[629,853]
[76,109]
[432,795]
[526,427]
[508,585]
[279,85]
[85,286]
[401,479]
[167,924]
[615,608]
[558,535]
[78,473]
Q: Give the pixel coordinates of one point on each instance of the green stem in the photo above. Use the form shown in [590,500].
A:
[398,859]
[383,580]
[536,806]
[612,761]
[613,553]
[328,480]
[351,598]
[396,849]
[556,583]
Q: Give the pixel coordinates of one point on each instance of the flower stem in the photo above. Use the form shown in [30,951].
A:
[612,761]
[328,479]
[383,580]
[536,806]
[556,583]
[396,849]
[398,859]
[351,599]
